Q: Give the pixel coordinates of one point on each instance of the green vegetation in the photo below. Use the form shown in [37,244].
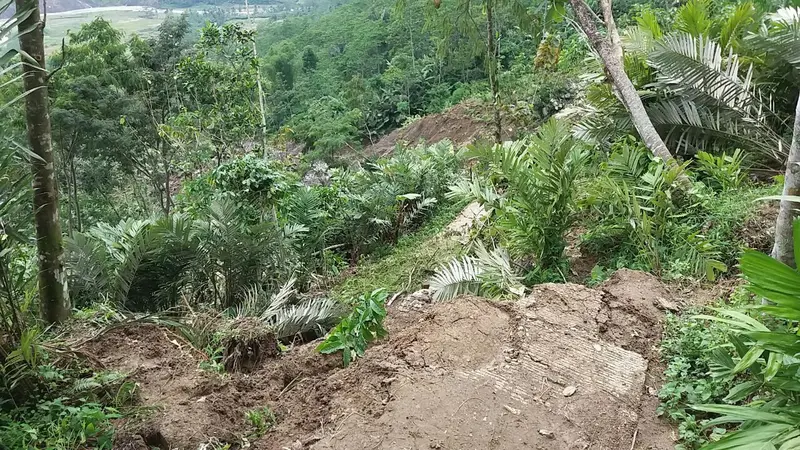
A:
[261,420]
[129,22]
[735,367]
[362,326]
[406,266]
[212,182]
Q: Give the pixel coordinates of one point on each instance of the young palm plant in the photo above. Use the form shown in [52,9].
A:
[529,192]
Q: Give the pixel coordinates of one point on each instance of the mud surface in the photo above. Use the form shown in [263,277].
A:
[567,367]
[461,125]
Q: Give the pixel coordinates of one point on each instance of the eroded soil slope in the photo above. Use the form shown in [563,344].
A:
[461,125]
[564,368]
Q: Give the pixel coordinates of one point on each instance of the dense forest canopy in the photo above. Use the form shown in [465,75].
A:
[222,178]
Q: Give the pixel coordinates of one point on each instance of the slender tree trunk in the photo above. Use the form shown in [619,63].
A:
[491,52]
[261,106]
[167,194]
[783,250]
[53,295]
[70,215]
[610,50]
[74,179]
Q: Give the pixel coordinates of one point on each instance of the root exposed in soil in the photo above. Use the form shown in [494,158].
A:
[247,344]
[568,367]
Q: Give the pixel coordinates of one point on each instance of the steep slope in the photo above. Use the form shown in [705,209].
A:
[462,124]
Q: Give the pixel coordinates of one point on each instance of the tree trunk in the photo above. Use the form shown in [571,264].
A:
[491,51]
[74,179]
[610,50]
[167,194]
[783,250]
[53,296]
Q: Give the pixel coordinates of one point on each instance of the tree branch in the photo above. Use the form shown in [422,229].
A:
[63,61]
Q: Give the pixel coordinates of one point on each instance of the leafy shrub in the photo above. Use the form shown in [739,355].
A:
[55,407]
[687,348]
[55,425]
[722,173]
[638,207]
[763,365]
[362,326]
[533,97]
[253,182]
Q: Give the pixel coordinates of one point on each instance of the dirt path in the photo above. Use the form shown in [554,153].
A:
[568,367]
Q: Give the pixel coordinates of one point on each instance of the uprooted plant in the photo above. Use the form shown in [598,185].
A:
[363,325]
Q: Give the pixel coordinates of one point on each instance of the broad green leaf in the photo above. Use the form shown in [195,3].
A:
[748,359]
[742,391]
[774,362]
[744,413]
[766,272]
[783,312]
[786,343]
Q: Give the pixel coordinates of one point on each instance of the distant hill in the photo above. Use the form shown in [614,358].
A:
[55,6]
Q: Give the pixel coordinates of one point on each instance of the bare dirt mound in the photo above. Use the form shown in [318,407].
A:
[568,367]
[461,124]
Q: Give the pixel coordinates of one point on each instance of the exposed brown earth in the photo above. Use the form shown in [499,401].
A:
[462,124]
[567,367]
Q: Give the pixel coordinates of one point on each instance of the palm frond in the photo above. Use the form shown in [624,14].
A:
[458,277]
[689,128]
[317,314]
[86,263]
[488,273]
[781,41]
[498,276]
[737,24]
[688,63]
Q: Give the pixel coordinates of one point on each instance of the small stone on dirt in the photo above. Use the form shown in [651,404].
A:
[514,411]
[547,433]
[569,391]
[666,305]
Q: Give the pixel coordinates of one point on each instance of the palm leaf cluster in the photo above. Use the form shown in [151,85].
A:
[708,83]
[489,273]
[528,194]
[217,260]
[387,197]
